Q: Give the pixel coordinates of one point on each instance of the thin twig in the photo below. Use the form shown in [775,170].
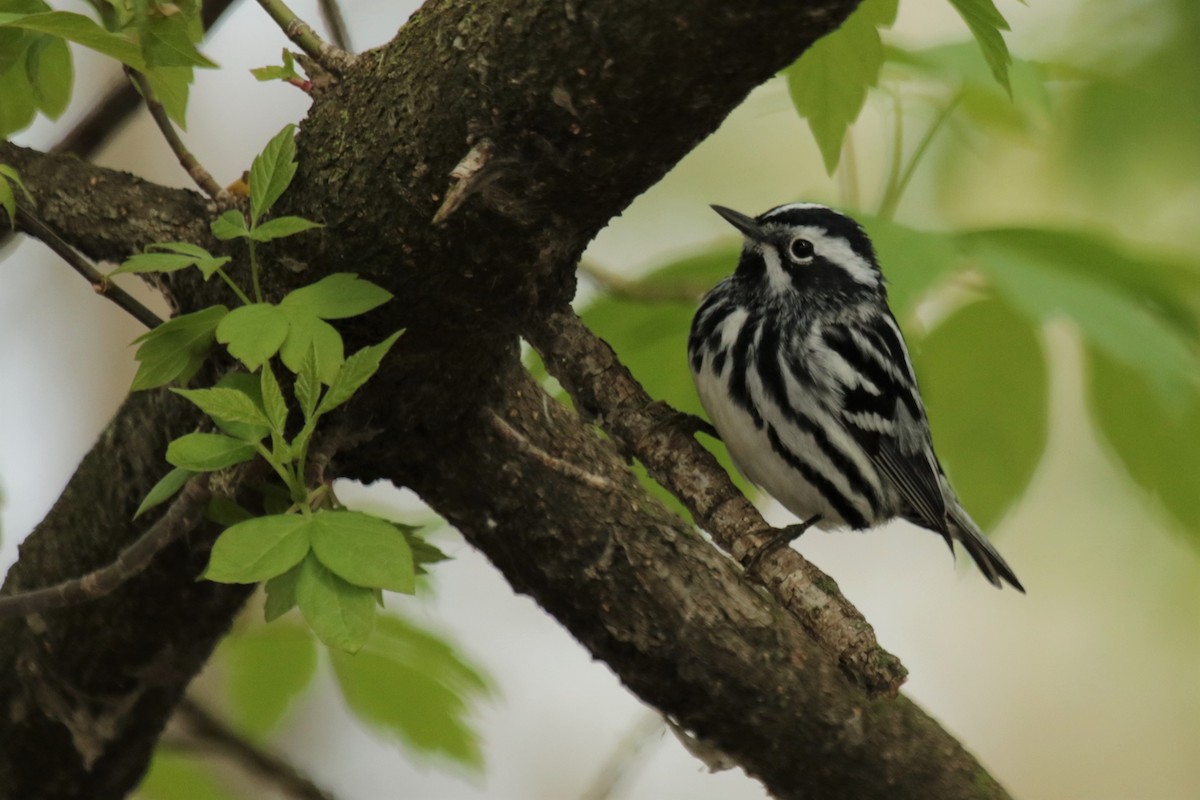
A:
[619,767]
[618,286]
[100,282]
[188,161]
[331,15]
[331,57]
[557,464]
[249,756]
[181,517]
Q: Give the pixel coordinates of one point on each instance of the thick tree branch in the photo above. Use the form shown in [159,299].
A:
[587,104]
[603,388]
[180,518]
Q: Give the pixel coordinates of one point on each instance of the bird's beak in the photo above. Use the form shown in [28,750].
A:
[745,224]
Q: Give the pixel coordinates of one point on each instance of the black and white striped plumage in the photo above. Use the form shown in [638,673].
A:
[805,375]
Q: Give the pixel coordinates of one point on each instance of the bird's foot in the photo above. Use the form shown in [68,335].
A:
[689,423]
[781,538]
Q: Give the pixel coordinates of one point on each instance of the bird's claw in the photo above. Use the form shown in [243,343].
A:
[781,538]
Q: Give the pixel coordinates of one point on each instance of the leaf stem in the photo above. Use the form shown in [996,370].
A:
[188,161]
[234,287]
[329,56]
[254,280]
[887,208]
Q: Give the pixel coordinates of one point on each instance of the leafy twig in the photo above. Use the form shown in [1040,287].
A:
[331,57]
[331,13]
[188,161]
[249,756]
[103,286]
[184,513]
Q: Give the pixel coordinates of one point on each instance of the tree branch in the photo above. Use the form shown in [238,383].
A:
[100,282]
[248,755]
[331,57]
[603,388]
[180,518]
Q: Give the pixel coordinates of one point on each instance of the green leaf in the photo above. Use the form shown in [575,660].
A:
[307,332]
[1037,281]
[247,385]
[272,172]
[203,260]
[336,296]
[154,262]
[253,333]
[20,100]
[273,400]
[829,83]
[308,383]
[48,67]
[258,549]
[226,512]
[913,261]
[986,387]
[285,73]
[166,42]
[226,404]
[8,200]
[986,23]
[364,550]
[1154,440]
[164,490]
[208,452]
[340,613]
[412,685]
[281,594]
[170,86]
[265,668]
[281,227]
[81,30]
[356,371]
[174,775]
[176,349]
[230,225]
[423,552]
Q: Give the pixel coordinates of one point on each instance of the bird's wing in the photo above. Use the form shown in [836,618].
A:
[883,412]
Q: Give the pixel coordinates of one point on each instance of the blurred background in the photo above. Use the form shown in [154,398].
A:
[1044,254]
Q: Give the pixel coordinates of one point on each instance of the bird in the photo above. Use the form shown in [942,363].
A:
[805,375]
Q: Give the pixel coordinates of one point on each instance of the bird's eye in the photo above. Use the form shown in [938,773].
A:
[801,249]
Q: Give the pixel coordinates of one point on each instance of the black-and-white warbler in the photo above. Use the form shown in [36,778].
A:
[806,377]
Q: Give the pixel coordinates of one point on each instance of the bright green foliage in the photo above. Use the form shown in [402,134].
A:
[1046,277]
[989,449]
[208,452]
[986,24]
[1156,441]
[176,776]
[162,491]
[306,334]
[412,685]
[259,548]
[287,72]
[281,595]
[829,83]
[176,349]
[340,613]
[249,386]
[266,667]
[354,372]
[337,296]
[253,333]
[229,405]
[362,549]
[230,225]
[280,227]
[913,261]
[171,257]
[272,172]
[8,199]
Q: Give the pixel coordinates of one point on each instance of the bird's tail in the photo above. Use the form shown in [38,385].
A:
[990,562]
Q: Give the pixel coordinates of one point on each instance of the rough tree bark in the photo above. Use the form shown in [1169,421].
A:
[583,105]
